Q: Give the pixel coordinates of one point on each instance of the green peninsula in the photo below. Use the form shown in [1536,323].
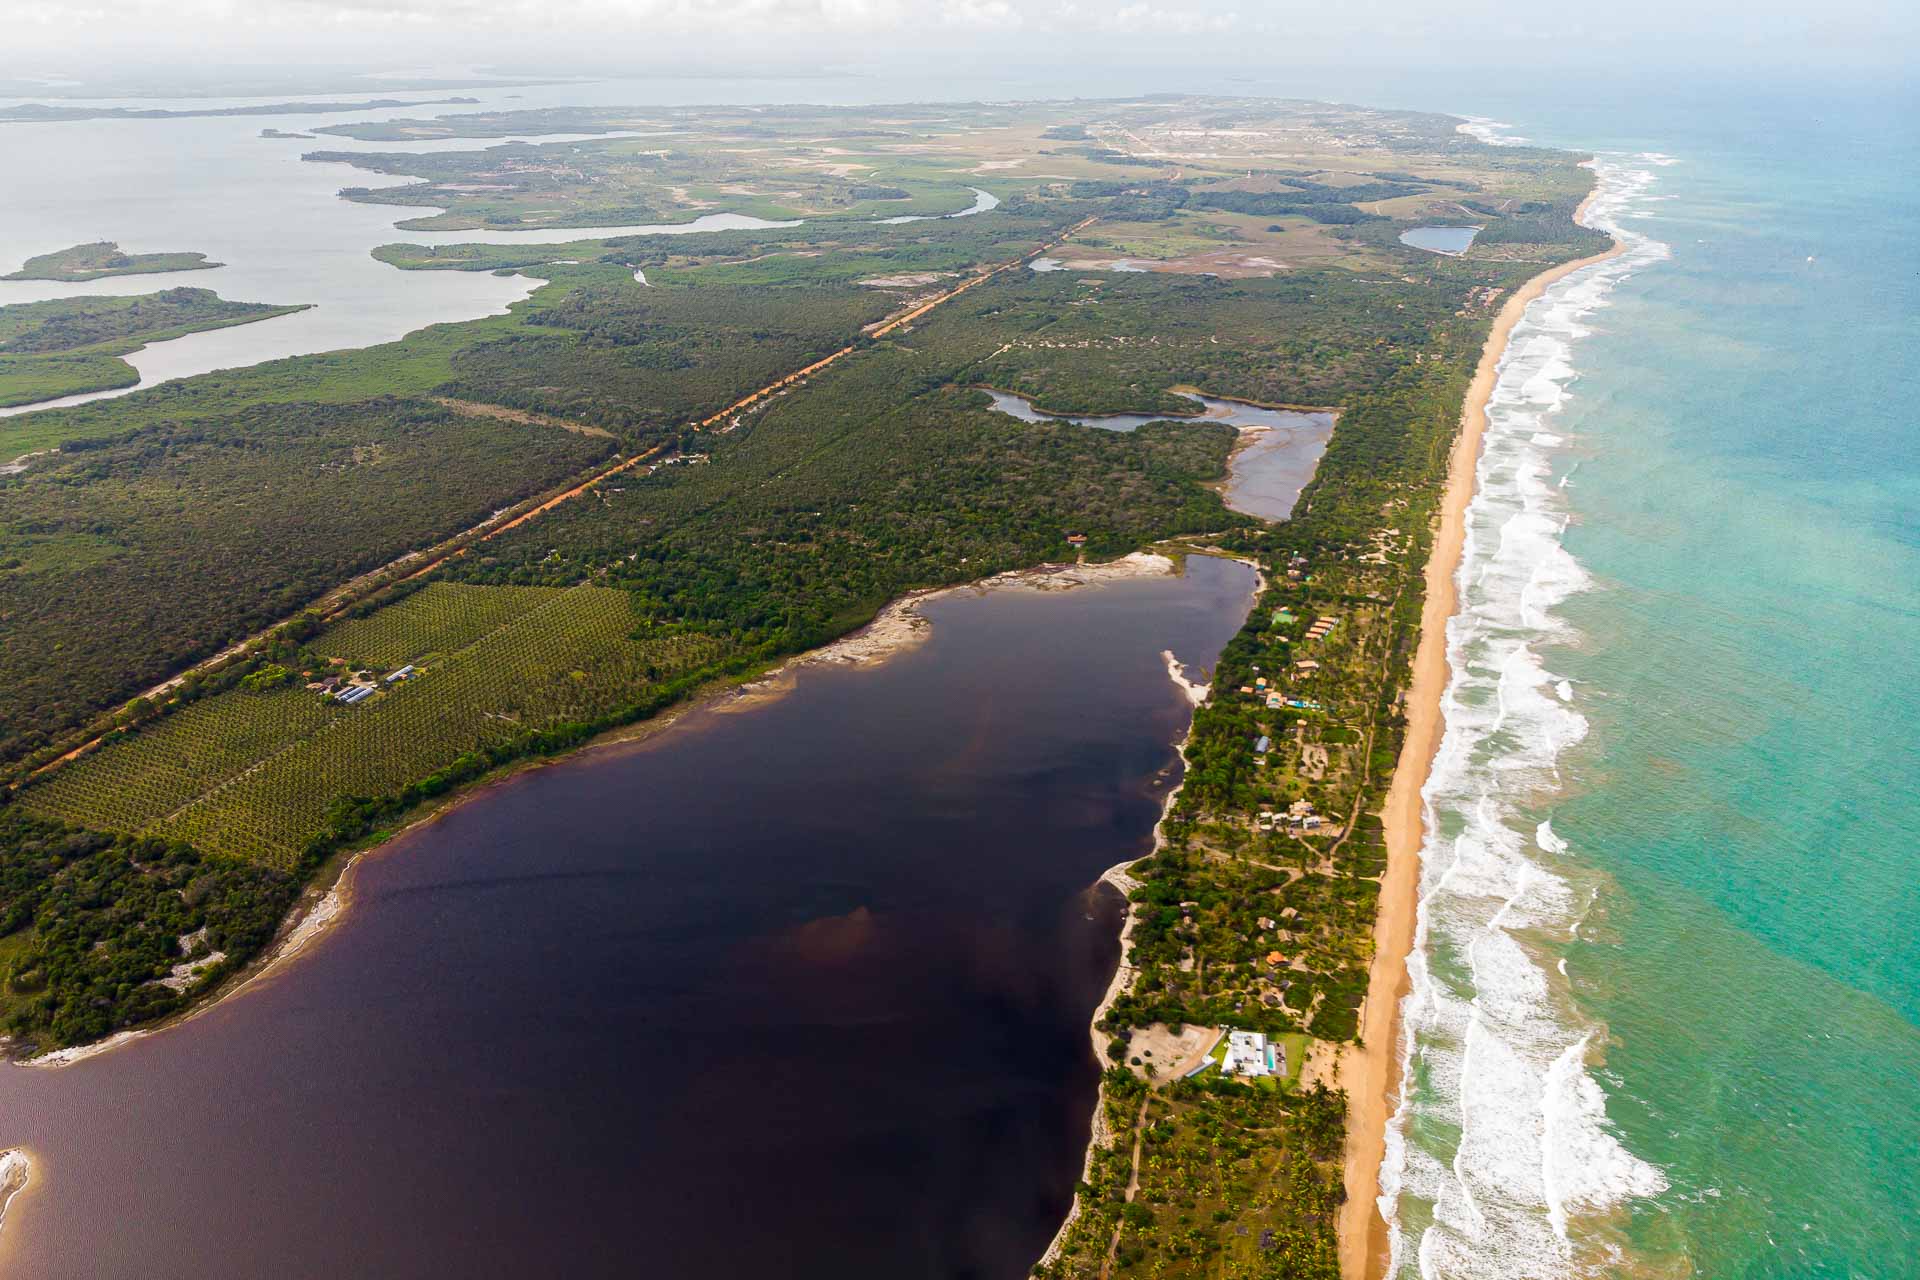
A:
[103,258]
[70,346]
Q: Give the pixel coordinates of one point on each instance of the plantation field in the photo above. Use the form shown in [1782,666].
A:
[244,775]
[137,781]
[439,618]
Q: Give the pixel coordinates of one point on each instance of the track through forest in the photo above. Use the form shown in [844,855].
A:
[417,563]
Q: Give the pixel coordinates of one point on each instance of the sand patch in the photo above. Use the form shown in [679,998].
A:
[13,1179]
[908,280]
[1166,1054]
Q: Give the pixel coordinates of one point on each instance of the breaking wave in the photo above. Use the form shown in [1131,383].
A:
[1500,1144]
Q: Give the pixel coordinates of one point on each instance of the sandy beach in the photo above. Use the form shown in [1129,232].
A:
[1369,1074]
[14,1176]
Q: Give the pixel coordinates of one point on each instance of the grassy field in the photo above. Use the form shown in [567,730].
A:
[253,775]
[134,783]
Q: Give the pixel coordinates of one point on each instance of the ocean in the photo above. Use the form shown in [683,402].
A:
[1665,1006]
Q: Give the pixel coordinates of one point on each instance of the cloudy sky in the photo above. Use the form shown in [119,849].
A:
[709,34]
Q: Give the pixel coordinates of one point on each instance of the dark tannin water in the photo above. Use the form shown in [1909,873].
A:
[800,990]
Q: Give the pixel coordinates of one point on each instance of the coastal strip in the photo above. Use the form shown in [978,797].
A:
[1117,876]
[1100,1135]
[1369,1071]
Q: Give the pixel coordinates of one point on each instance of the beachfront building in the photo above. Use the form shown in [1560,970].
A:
[1248,1054]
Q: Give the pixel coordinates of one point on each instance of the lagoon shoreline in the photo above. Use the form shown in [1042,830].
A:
[1369,1071]
[1118,879]
[325,901]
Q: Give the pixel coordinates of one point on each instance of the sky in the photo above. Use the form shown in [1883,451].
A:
[56,38]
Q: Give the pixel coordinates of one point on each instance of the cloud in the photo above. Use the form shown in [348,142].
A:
[712,17]
[1183,20]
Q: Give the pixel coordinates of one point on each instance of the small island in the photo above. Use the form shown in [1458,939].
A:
[103,258]
[71,346]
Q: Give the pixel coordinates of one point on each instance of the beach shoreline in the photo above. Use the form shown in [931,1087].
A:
[1369,1071]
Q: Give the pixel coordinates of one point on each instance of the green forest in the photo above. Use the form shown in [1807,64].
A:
[122,560]
[72,345]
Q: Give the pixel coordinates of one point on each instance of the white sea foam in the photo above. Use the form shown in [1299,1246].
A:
[1503,1055]
[1491,132]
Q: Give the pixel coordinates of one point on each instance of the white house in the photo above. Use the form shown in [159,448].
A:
[1248,1054]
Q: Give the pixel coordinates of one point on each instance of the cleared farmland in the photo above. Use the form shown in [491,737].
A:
[253,775]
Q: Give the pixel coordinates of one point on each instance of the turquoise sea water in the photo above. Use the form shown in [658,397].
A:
[1667,1011]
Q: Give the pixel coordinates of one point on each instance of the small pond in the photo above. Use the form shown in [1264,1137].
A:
[1279,449]
[1448,240]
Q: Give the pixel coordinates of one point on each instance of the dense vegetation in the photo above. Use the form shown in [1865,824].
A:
[103,258]
[81,324]
[122,560]
[90,925]
[886,474]
[70,345]
[644,360]
[1304,338]
[1233,1181]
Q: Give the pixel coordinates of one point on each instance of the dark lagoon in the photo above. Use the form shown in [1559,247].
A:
[795,989]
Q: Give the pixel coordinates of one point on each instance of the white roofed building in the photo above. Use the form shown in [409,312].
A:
[1248,1054]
